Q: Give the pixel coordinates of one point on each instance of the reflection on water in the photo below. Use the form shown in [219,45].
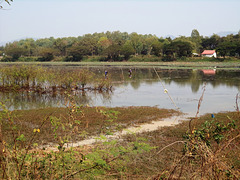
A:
[141,87]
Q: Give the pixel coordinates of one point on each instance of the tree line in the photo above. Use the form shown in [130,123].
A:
[119,46]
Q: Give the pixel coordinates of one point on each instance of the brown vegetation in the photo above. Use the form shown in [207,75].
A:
[92,120]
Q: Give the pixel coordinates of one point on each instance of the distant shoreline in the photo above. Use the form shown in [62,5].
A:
[163,65]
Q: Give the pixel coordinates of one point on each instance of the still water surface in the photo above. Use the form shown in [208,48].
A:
[144,88]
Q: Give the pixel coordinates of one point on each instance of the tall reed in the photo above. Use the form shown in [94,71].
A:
[45,79]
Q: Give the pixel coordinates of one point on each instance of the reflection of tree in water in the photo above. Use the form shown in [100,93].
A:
[191,78]
[141,75]
[82,98]
[229,78]
[105,96]
[31,100]
[27,100]
[196,78]
[135,84]
[195,81]
[183,77]
[138,76]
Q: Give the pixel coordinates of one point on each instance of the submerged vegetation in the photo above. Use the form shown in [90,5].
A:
[45,80]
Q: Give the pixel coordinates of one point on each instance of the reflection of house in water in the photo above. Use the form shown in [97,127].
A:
[208,74]
[209,71]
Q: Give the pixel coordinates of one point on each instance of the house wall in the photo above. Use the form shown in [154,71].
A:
[215,54]
[210,55]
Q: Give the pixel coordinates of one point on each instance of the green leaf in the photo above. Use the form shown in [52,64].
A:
[21,138]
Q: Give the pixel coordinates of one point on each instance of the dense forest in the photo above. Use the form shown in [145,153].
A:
[119,46]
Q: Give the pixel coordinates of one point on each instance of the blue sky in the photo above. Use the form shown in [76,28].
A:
[61,18]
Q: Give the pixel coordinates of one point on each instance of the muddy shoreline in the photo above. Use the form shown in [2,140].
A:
[138,128]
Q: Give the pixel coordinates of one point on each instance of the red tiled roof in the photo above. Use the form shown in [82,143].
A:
[208,52]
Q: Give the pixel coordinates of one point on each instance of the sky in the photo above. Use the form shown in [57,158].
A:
[65,18]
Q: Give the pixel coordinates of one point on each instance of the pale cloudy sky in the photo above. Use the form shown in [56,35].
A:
[63,18]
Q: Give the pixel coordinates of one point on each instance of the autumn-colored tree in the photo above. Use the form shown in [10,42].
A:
[103,44]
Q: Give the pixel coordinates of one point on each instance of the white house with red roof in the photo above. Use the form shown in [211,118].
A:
[209,53]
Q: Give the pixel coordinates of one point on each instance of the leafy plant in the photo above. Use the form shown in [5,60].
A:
[21,157]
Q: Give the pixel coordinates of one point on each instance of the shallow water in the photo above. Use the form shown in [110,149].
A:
[144,88]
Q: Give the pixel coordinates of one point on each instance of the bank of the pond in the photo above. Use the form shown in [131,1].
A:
[164,65]
[172,158]
[78,123]
[208,150]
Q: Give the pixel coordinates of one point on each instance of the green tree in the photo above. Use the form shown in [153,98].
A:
[90,43]
[137,43]
[195,34]
[15,51]
[1,50]
[76,52]
[148,43]
[157,48]
[127,50]
[210,43]
[46,42]
[117,37]
[183,48]
[227,48]
[238,48]
[113,52]
[61,45]
[197,39]
[29,45]
[47,54]
[177,49]
[169,52]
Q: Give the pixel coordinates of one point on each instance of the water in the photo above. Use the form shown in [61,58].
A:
[144,88]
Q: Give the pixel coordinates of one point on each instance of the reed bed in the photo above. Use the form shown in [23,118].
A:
[45,79]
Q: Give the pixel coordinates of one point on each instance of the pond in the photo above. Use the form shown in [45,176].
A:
[147,87]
